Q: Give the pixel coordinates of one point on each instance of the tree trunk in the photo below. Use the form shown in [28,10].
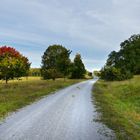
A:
[6,80]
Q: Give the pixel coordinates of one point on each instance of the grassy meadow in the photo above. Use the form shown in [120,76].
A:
[18,93]
[119,106]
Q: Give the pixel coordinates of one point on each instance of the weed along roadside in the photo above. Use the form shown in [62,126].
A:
[17,94]
[119,106]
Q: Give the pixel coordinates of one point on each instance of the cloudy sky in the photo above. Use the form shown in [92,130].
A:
[92,28]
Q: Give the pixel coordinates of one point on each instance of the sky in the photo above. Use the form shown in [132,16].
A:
[92,28]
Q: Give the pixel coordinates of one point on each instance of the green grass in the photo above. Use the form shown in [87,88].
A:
[22,79]
[17,94]
[119,104]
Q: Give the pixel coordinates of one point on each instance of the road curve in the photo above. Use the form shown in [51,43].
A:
[66,115]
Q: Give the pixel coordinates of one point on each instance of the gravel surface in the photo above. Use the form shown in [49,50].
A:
[66,115]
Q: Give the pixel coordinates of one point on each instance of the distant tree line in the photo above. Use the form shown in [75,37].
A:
[96,73]
[34,72]
[125,63]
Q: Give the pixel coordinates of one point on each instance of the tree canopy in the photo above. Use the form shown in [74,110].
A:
[124,63]
[55,62]
[78,69]
[12,64]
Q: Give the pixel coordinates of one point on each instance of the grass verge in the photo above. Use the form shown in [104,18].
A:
[119,106]
[17,94]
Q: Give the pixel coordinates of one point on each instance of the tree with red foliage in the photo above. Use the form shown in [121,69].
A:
[12,64]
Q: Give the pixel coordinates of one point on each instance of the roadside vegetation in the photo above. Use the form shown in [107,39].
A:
[117,92]
[18,93]
[56,63]
[125,63]
[119,106]
[21,85]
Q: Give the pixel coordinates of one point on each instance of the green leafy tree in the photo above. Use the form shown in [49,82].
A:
[78,69]
[63,62]
[55,62]
[130,50]
[124,63]
[12,64]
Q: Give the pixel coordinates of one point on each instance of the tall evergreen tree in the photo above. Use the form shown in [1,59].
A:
[78,68]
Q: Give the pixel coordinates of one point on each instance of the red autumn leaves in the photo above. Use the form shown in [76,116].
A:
[4,50]
[12,63]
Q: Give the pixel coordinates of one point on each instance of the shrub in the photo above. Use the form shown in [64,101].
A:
[112,74]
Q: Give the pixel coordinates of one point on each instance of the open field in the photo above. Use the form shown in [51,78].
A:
[119,105]
[22,79]
[17,94]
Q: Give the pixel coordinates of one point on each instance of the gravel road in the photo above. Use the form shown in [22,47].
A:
[66,115]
